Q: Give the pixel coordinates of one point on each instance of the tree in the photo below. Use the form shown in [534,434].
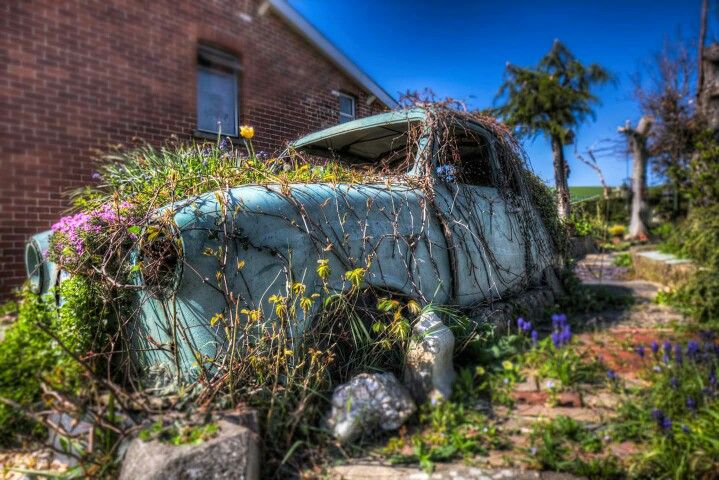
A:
[637,138]
[668,97]
[554,98]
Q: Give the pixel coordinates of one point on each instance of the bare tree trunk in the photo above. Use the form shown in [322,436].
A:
[700,56]
[638,146]
[594,165]
[561,172]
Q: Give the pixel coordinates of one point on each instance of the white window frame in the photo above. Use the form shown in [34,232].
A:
[345,117]
[222,63]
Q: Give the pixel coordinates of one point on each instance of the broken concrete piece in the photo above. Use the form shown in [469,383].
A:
[429,372]
[233,454]
[367,402]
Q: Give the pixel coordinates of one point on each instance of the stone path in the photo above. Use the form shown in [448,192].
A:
[609,335]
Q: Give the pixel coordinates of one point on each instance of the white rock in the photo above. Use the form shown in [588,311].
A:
[429,372]
[367,402]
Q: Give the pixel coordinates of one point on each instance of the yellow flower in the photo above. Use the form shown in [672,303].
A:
[247,132]
[507,365]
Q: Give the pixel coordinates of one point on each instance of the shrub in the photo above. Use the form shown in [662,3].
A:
[616,230]
[677,416]
[37,349]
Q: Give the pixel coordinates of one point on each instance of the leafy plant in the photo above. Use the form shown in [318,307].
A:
[616,230]
[565,445]
[676,416]
[38,349]
[623,260]
[446,431]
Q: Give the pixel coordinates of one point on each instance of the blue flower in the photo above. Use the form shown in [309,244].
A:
[612,375]
[678,356]
[655,347]
[692,349]
[640,350]
[566,334]
[523,325]
[556,339]
[666,423]
[535,337]
[691,403]
[225,144]
[663,421]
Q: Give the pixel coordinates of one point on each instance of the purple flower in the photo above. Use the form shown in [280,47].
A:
[612,375]
[520,324]
[666,424]
[565,335]
[535,337]
[556,340]
[655,347]
[658,415]
[96,176]
[691,403]
[692,349]
[674,383]
[225,144]
[663,421]
[685,429]
[678,356]
[640,350]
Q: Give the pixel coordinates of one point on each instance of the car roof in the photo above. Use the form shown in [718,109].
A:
[361,129]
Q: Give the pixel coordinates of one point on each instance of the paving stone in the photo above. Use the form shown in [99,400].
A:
[580,414]
[362,470]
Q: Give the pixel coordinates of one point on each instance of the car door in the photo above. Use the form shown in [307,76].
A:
[487,248]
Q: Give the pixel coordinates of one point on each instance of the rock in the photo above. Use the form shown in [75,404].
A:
[233,454]
[367,402]
[429,372]
[78,432]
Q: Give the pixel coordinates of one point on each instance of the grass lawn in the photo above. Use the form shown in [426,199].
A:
[584,192]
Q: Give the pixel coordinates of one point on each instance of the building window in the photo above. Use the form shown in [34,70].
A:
[217,103]
[347,108]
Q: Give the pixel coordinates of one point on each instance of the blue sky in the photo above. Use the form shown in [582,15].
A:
[460,49]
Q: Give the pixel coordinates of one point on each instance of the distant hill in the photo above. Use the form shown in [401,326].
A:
[582,193]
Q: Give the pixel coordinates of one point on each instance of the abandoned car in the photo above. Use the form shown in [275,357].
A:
[444,218]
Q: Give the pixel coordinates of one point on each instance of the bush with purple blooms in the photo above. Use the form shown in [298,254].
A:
[86,241]
[677,416]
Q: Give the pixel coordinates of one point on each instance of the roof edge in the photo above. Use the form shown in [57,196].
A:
[295,20]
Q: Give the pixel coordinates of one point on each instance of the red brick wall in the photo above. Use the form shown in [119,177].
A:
[78,76]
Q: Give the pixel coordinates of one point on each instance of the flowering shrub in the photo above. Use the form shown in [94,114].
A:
[678,415]
[81,242]
[556,358]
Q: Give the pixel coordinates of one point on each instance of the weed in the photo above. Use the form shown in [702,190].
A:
[623,259]
[565,445]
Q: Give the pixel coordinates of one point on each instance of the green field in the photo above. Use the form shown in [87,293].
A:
[581,193]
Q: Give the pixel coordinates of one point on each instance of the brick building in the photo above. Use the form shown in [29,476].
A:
[78,76]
